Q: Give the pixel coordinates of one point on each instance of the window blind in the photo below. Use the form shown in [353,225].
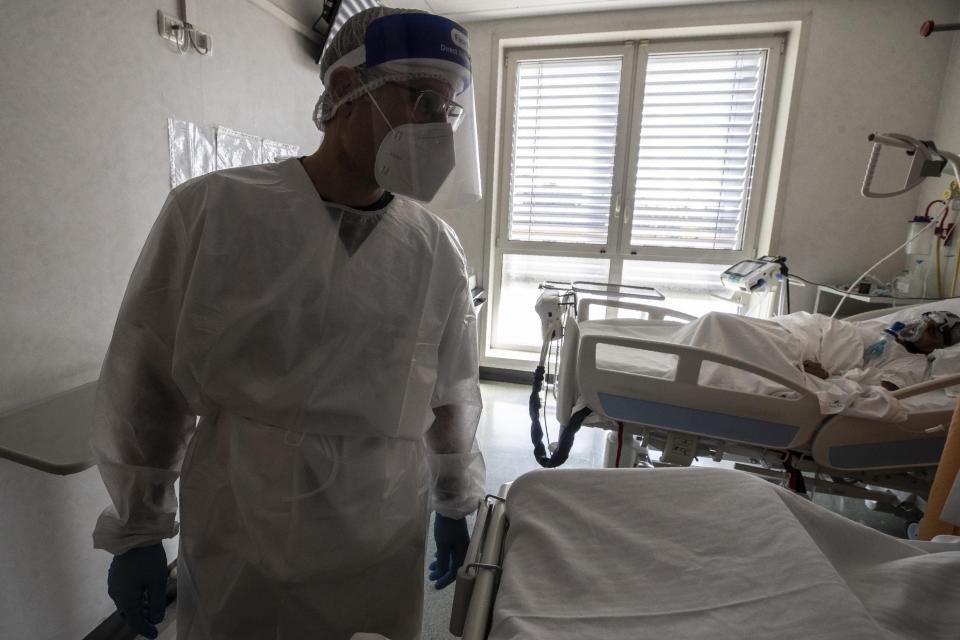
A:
[564,139]
[698,134]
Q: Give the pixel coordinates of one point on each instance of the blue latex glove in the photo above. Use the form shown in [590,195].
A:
[137,583]
[452,540]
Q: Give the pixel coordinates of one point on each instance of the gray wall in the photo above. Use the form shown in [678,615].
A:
[862,67]
[87,88]
[946,132]
[86,91]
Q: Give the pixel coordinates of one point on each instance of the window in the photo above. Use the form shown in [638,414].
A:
[634,163]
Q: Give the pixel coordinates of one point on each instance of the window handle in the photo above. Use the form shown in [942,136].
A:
[617,205]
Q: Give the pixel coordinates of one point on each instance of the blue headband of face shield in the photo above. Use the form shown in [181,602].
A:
[419,41]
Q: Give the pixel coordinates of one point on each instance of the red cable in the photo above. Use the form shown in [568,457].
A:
[941,225]
[940,229]
[926,212]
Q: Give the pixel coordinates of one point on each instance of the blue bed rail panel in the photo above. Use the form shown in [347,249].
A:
[705,423]
[887,454]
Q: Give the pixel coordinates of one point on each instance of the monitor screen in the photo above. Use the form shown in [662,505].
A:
[744,267]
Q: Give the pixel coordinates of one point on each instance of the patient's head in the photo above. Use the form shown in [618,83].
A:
[931,331]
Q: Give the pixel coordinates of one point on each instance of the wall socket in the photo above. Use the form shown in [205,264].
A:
[170,28]
[203,40]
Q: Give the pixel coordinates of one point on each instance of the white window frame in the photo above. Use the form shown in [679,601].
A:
[623,112]
[754,211]
[618,248]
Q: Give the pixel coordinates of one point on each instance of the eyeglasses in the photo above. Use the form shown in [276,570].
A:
[431,106]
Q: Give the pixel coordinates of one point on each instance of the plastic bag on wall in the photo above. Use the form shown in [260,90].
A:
[274,151]
[235,149]
[191,151]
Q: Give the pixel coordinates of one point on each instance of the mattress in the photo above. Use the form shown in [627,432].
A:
[708,553]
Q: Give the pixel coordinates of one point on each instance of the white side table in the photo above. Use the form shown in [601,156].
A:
[824,299]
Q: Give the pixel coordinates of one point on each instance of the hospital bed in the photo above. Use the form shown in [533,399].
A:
[603,366]
[636,554]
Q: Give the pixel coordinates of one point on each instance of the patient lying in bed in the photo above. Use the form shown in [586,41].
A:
[850,366]
[900,355]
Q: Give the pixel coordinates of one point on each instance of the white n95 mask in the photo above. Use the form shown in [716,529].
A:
[415,159]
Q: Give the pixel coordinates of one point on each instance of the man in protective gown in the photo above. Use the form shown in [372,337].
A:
[318,321]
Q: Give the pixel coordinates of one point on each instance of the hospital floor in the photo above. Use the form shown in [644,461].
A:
[504,436]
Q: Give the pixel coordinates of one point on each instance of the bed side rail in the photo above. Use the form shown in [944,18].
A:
[849,444]
[567,392]
[689,363]
[854,444]
[479,577]
[653,312]
[927,386]
[734,415]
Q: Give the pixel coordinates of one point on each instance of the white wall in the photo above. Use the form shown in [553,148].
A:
[85,91]
[87,88]
[862,68]
[946,132]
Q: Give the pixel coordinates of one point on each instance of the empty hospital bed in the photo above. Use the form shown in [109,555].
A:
[636,554]
[601,367]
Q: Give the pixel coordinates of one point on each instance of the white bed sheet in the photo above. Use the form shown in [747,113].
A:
[708,553]
[647,363]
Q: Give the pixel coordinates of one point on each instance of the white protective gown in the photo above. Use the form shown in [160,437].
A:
[305,491]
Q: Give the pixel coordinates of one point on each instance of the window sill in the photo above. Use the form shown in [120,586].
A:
[510,359]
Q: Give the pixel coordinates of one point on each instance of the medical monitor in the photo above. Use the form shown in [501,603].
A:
[745,267]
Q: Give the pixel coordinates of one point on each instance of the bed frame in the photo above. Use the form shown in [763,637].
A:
[761,431]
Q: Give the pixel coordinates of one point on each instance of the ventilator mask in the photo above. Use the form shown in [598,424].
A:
[926,331]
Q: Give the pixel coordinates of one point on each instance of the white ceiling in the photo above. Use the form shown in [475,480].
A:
[307,11]
[468,10]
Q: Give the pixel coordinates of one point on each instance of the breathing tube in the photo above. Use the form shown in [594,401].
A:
[567,433]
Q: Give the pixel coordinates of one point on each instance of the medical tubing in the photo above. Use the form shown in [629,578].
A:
[945,240]
[567,432]
[953,160]
[854,284]
[567,435]
[940,241]
[536,430]
[926,212]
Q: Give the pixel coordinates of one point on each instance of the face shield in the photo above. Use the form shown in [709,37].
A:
[415,70]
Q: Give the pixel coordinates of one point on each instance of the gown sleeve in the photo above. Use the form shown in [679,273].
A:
[456,463]
[142,421]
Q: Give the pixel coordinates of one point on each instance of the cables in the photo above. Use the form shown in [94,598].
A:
[785,273]
[877,264]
